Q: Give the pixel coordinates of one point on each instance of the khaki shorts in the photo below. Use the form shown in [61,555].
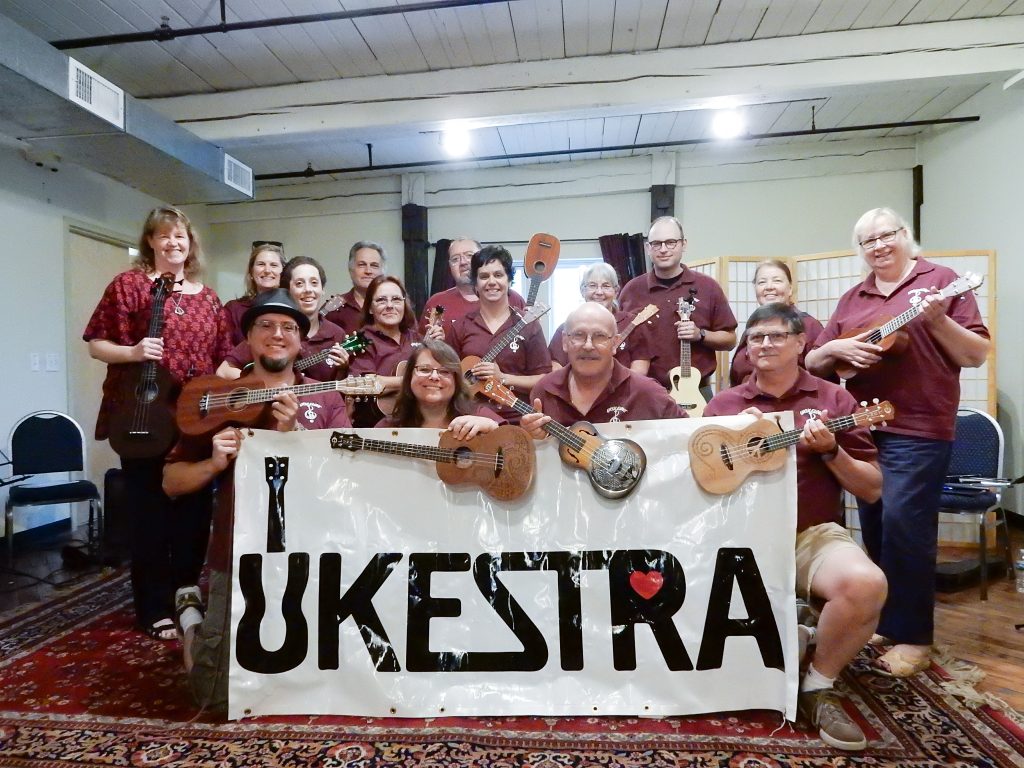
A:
[813,546]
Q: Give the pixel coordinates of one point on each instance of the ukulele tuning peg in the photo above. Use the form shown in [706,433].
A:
[875,401]
[863,403]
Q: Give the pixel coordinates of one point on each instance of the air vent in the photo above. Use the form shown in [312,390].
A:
[237,175]
[99,96]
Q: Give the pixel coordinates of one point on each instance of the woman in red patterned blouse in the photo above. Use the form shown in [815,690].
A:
[168,536]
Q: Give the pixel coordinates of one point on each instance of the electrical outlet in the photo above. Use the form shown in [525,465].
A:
[34,362]
[52,361]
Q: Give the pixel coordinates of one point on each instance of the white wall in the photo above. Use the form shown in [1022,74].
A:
[973,199]
[36,207]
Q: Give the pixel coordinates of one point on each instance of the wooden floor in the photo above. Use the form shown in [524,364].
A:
[979,632]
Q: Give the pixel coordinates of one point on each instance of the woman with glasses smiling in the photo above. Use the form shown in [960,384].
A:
[600,284]
[923,383]
[390,325]
[773,283]
[433,394]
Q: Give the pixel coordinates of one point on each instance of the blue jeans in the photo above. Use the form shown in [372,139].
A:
[901,532]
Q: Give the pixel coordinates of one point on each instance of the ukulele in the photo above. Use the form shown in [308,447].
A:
[501,462]
[643,316]
[721,458]
[142,426]
[532,313]
[386,403]
[540,261]
[614,466]
[334,301]
[209,403]
[354,344]
[685,380]
[886,333]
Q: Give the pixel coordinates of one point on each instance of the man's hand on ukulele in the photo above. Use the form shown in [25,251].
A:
[338,356]
[285,410]
[226,445]
[534,422]
[817,436]
[687,330]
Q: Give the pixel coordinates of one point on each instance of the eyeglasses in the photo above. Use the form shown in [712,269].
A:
[258,243]
[458,258]
[599,286]
[426,371]
[383,301]
[598,339]
[776,337]
[657,245]
[885,238]
[269,325]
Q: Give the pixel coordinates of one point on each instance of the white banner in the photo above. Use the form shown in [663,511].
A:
[398,595]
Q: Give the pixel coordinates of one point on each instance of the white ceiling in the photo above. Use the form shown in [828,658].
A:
[537,75]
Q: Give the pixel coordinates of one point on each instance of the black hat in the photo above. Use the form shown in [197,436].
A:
[274,302]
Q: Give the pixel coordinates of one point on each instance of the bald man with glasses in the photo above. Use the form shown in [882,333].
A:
[594,386]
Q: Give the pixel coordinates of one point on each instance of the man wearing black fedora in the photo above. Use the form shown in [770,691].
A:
[274,327]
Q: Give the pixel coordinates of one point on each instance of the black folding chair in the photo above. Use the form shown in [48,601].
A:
[974,484]
[45,442]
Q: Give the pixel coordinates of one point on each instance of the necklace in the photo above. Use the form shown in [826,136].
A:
[178,310]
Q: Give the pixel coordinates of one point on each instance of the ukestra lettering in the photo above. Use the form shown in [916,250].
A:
[645,587]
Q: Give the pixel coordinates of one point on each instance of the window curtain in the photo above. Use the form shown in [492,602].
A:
[441,279]
[625,253]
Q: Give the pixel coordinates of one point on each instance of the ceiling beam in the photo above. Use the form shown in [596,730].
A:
[666,80]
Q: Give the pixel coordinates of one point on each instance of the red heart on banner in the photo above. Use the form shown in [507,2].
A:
[647,585]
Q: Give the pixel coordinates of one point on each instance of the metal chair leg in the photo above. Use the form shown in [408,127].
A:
[982,555]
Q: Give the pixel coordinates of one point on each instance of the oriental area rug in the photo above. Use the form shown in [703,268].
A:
[79,687]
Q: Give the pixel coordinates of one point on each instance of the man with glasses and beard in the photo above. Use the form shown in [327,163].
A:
[274,326]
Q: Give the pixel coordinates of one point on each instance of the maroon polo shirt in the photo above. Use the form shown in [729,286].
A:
[381,358]
[325,410]
[234,310]
[923,383]
[712,314]
[634,347]
[819,494]
[326,336]
[628,397]
[526,355]
[456,306]
[349,315]
[741,366]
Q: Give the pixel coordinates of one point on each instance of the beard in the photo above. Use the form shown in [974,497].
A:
[274,364]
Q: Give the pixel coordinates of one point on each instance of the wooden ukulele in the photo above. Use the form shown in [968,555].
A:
[386,403]
[540,261]
[142,424]
[614,466]
[209,403]
[501,462]
[532,313]
[685,380]
[643,316]
[886,333]
[721,458]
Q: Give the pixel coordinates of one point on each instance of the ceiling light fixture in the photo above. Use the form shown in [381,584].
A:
[728,124]
[455,141]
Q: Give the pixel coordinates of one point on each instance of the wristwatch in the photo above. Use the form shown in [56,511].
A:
[827,457]
[703,333]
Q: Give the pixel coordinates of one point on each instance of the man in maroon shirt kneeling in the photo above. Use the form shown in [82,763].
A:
[830,567]
[274,326]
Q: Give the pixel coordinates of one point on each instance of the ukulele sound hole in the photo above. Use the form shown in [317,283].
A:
[539,267]
[237,399]
[462,458]
[146,393]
